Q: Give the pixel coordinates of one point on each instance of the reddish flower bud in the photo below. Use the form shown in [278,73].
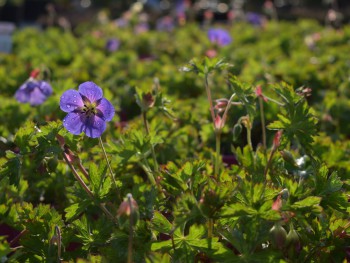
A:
[34,73]
[218,123]
[277,204]
[128,206]
[277,139]
[148,100]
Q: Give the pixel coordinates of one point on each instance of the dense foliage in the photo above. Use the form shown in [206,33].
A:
[185,179]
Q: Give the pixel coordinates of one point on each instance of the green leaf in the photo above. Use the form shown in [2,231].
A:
[75,210]
[4,247]
[160,223]
[11,168]
[307,202]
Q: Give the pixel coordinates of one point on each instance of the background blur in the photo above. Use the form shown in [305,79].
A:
[42,13]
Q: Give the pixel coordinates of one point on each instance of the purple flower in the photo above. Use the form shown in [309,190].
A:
[219,36]
[35,92]
[254,19]
[87,110]
[112,44]
[165,23]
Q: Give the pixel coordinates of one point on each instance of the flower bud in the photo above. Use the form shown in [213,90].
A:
[128,209]
[34,73]
[219,124]
[277,139]
[293,242]
[278,236]
[288,157]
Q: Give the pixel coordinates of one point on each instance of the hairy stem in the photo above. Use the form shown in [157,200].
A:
[210,99]
[108,164]
[156,169]
[86,188]
[210,227]
[263,126]
[217,154]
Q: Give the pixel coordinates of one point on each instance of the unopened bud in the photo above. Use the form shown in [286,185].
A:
[277,139]
[277,204]
[128,209]
[221,104]
[293,242]
[148,100]
[218,123]
[288,157]
[34,73]
[278,236]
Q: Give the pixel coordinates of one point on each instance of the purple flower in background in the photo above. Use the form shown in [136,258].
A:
[33,91]
[254,19]
[141,28]
[112,44]
[219,36]
[87,110]
[165,23]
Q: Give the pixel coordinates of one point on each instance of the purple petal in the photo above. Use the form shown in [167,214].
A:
[22,94]
[45,88]
[106,109]
[91,91]
[36,97]
[94,127]
[70,100]
[73,122]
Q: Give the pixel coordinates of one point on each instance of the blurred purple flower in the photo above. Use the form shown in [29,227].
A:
[219,36]
[165,23]
[33,91]
[87,110]
[112,44]
[254,19]
[141,27]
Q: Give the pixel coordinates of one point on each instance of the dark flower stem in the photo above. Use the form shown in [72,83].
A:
[269,163]
[217,154]
[108,164]
[59,243]
[210,227]
[23,232]
[263,126]
[209,99]
[145,122]
[86,188]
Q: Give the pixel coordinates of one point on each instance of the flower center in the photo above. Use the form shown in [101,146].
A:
[89,109]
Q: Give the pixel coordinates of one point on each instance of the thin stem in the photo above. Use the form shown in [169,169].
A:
[217,154]
[131,230]
[13,241]
[149,173]
[78,178]
[152,148]
[269,163]
[86,188]
[210,99]
[108,164]
[249,137]
[210,227]
[263,126]
[83,170]
[59,243]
